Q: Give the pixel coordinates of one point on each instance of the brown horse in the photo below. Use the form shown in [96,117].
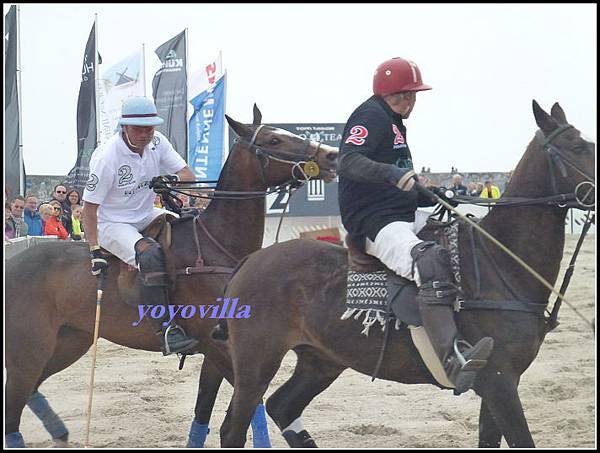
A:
[49,324]
[297,290]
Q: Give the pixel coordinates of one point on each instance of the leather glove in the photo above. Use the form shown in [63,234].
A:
[161,182]
[407,181]
[99,263]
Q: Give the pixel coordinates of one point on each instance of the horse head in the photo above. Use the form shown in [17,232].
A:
[284,156]
[570,158]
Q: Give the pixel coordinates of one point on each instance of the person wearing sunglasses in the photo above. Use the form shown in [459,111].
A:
[54,226]
[61,195]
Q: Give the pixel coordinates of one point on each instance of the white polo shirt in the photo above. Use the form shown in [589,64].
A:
[119,178]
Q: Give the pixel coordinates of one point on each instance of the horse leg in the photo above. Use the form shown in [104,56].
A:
[208,387]
[499,391]
[252,378]
[489,434]
[313,374]
[24,366]
[71,345]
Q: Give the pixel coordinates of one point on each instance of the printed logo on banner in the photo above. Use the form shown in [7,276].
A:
[316,190]
[276,202]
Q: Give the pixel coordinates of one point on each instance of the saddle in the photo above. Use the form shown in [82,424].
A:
[159,230]
[378,293]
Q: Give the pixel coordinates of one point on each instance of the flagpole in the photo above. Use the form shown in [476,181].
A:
[187,124]
[96,79]
[19,101]
[144,67]
[225,146]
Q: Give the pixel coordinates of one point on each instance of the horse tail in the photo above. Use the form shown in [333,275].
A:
[220,331]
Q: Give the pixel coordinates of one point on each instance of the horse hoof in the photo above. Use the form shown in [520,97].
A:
[299,440]
[58,443]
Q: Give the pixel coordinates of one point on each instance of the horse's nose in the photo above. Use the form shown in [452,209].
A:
[331,153]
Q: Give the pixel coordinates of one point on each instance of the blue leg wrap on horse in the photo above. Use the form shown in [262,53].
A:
[52,422]
[260,430]
[14,440]
[198,433]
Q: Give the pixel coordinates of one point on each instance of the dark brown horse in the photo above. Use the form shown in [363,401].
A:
[297,291]
[49,324]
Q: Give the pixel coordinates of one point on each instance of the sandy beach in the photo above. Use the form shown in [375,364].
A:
[142,400]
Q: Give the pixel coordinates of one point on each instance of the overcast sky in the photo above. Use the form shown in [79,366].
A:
[314,63]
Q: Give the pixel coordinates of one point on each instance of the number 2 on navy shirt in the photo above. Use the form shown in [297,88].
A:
[357,135]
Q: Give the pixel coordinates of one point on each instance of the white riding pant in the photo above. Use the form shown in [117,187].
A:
[394,242]
[120,238]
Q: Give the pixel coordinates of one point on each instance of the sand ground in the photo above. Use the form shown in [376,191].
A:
[142,400]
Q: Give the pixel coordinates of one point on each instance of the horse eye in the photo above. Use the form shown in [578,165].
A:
[274,141]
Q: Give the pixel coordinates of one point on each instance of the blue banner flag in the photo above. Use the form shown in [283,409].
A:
[206,128]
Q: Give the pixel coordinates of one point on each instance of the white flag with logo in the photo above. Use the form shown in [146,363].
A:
[122,80]
[203,78]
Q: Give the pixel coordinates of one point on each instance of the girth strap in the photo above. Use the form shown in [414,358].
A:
[537,308]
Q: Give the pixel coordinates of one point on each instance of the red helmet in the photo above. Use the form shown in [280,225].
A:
[397,75]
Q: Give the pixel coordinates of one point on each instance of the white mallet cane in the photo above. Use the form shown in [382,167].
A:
[100,288]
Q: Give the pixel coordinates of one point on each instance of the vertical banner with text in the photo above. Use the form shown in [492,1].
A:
[117,83]
[207,122]
[169,89]
[87,134]
[14,172]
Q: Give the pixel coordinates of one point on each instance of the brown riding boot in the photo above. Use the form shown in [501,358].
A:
[436,297]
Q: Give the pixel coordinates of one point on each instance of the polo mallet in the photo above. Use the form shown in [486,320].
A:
[100,288]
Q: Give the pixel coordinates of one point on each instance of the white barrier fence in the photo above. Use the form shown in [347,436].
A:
[292,226]
[15,246]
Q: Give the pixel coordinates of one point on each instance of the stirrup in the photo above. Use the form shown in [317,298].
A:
[467,365]
[166,350]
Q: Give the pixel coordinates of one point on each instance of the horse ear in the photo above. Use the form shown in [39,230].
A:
[241,129]
[558,114]
[257,116]
[544,121]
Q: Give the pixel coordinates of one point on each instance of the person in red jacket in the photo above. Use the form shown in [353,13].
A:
[53,226]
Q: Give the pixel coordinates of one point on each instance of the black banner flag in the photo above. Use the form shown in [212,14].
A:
[169,89]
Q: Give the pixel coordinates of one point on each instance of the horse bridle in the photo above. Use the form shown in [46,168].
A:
[285,157]
[557,159]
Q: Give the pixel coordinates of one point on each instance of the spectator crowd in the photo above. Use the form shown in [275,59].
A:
[60,216]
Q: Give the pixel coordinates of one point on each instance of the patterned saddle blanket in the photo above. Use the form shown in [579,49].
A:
[379,295]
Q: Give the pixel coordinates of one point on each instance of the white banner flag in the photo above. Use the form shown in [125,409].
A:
[203,78]
[120,81]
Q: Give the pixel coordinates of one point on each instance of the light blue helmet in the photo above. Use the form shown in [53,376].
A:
[139,111]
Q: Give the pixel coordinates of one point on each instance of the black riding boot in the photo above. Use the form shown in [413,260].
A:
[154,281]
[436,297]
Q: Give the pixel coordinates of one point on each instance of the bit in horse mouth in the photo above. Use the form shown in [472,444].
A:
[329,175]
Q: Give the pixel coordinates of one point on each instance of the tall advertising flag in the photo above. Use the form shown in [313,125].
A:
[206,125]
[87,133]
[122,80]
[14,170]
[169,89]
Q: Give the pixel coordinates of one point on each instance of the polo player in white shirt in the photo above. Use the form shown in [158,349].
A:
[118,204]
